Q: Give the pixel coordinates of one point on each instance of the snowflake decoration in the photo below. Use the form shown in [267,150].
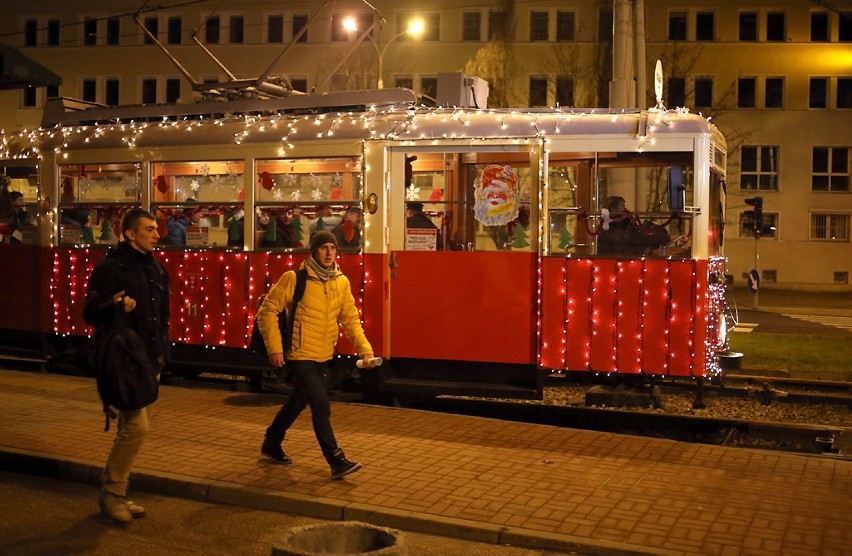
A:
[316,194]
[315,181]
[336,180]
[278,195]
[295,195]
[290,179]
[216,179]
[205,170]
[194,186]
[412,193]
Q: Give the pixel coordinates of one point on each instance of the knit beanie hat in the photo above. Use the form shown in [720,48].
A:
[320,238]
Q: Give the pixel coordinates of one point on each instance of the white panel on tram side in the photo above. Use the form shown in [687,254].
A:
[375,183]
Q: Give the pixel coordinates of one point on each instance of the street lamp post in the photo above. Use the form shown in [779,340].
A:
[415,29]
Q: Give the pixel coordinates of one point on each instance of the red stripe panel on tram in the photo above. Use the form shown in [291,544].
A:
[629,310]
[682,323]
[655,320]
[554,310]
[604,311]
[578,290]
[701,319]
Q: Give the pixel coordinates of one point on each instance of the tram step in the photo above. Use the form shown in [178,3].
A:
[432,387]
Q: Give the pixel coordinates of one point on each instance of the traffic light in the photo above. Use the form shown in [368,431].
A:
[756,214]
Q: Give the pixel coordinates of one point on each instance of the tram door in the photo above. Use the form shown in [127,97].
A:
[463,257]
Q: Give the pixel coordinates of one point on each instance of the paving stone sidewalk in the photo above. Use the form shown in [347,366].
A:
[483,479]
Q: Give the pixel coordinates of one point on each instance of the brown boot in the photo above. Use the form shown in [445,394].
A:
[115,508]
[136,510]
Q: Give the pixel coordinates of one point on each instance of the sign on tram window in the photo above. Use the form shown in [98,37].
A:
[420,239]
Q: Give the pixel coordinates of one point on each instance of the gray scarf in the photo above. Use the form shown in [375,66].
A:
[324,274]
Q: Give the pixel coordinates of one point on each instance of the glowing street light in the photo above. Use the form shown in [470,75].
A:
[415,29]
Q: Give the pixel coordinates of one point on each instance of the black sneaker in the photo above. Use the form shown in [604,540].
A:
[274,452]
[340,466]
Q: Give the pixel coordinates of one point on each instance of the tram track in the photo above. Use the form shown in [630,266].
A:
[830,440]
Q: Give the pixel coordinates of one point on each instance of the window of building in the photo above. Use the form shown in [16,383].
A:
[90,31]
[497,23]
[538,91]
[844,28]
[432,23]
[844,92]
[841,277]
[564,90]
[275,28]
[429,87]
[539,21]
[174,30]
[212,29]
[705,26]
[339,33]
[172,90]
[826,226]
[565,26]
[759,168]
[746,90]
[300,22]
[819,27]
[113,31]
[149,91]
[774,92]
[677,26]
[89,90]
[818,93]
[28,97]
[53,32]
[769,276]
[769,228]
[830,169]
[703,92]
[748,26]
[51,91]
[471,26]
[776,26]
[404,82]
[30,32]
[676,91]
[111,96]
[236,29]
[152,24]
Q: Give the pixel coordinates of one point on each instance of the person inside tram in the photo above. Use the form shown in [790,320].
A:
[348,232]
[82,219]
[17,218]
[416,218]
[280,232]
[622,234]
[178,224]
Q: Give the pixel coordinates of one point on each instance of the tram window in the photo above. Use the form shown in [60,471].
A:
[296,197]
[18,208]
[195,201]
[476,201]
[642,181]
[93,197]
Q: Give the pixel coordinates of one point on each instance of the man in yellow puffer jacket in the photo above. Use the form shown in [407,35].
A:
[327,302]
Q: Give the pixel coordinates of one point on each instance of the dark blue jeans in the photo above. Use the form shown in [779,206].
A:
[308,390]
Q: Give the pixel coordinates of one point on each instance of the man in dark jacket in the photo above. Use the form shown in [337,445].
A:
[416,218]
[131,278]
[624,236]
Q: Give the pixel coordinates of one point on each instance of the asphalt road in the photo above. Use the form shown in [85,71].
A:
[771,322]
[40,516]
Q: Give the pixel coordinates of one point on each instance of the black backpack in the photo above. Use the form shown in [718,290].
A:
[125,375]
[285,319]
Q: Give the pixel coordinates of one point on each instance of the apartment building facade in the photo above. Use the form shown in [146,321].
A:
[775,77]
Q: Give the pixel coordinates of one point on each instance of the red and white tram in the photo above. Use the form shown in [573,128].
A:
[509,284]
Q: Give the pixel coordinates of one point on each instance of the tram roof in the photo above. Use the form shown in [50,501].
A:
[385,114]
